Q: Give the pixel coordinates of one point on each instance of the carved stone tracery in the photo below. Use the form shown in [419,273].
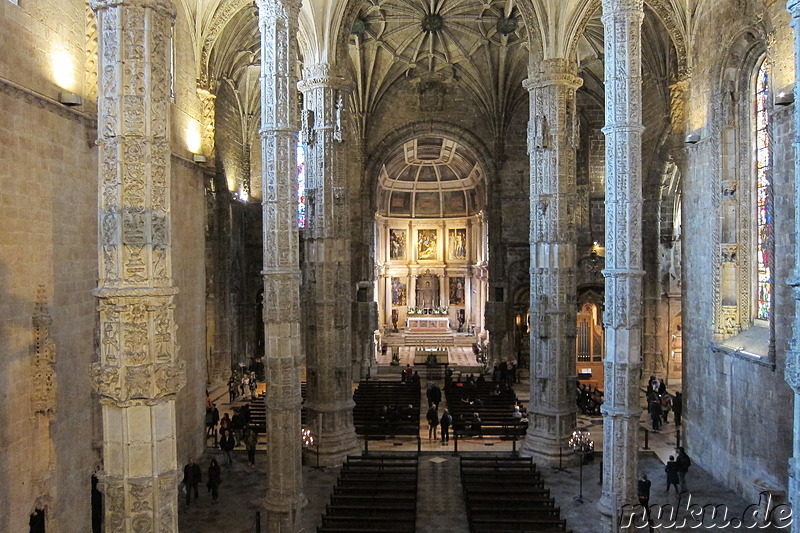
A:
[622,318]
[279,125]
[551,143]
[138,374]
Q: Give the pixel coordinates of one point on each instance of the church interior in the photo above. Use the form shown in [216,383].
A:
[557,196]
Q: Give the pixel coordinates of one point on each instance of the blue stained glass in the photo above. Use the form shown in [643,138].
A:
[763,192]
[301,184]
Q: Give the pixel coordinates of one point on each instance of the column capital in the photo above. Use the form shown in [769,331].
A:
[278,8]
[323,75]
[622,6]
[165,7]
[556,71]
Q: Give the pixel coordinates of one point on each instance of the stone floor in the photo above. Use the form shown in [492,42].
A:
[440,504]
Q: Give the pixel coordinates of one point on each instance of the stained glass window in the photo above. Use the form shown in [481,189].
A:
[763,190]
[301,184]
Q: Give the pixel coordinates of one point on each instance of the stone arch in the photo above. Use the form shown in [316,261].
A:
[732,195]
[350,12]
[661,8]
[415,129]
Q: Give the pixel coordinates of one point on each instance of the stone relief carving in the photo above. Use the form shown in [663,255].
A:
[43,389]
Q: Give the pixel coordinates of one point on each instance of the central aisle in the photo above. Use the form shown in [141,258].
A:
[440,500]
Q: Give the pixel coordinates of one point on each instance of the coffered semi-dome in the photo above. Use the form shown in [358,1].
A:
[431,177]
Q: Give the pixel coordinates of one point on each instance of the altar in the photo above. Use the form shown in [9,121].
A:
[427,323]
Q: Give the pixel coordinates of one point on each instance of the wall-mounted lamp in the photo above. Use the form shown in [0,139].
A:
[784,97]
[70,99]
[199,158]
[692,138]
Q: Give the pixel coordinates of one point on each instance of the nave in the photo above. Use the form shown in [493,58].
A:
[440,503]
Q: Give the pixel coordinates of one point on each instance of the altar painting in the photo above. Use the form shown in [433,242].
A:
[397,244]
[457,291]
[398,292]
[426,244]
[457,243]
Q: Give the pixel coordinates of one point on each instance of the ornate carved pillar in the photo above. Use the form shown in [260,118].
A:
[793,355]
[552,132]
[277,22]
[330,290]
[138,373]
[622,20]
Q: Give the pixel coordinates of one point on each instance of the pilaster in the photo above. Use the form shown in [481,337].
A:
[622,20]
[138,373]
[328,278]
[277,22]
[792,374]
[552,140]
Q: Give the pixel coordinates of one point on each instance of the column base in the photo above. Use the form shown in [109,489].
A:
[283,515]
[546,451]
[332,450]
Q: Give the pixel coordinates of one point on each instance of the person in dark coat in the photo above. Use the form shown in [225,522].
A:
[227,443]
[655,414]
[683,466]
[643,493]
[434,394]
[445,422]
[433,421]
[250,440]
[192,476]
[677,407]
[672,474]
[214,479]
[643,490]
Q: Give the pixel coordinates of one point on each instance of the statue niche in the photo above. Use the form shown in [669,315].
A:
[428,291]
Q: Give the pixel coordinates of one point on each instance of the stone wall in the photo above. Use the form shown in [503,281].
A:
[49,239]
[48,256]
[738,409]
[188,270]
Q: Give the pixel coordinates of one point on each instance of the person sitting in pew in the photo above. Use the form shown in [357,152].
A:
[477,425]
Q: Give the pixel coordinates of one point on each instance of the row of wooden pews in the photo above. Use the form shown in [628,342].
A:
[374,493]
[505,494]
[386,408]
[496,411]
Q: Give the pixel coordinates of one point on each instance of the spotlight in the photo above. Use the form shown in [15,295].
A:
[692,138]
[70,99]
[199,158]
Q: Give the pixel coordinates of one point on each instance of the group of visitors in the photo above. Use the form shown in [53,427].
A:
[589,401]
[193,476]
[676,469]
[409,375]
[233,431]
[505,372]
[660,404]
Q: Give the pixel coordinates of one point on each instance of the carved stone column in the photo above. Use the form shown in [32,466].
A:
[277,22]
[138,373]
[622,20]
[552,131]
[330,290]
[793,354]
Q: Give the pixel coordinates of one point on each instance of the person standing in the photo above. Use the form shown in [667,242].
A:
[672,475]
[227,443]
[250,441]
[232,389]
[192,476]
[643,492]
[433,421]
[655,414]
[683,466]
[214,479]
[677,408]
[445,422]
